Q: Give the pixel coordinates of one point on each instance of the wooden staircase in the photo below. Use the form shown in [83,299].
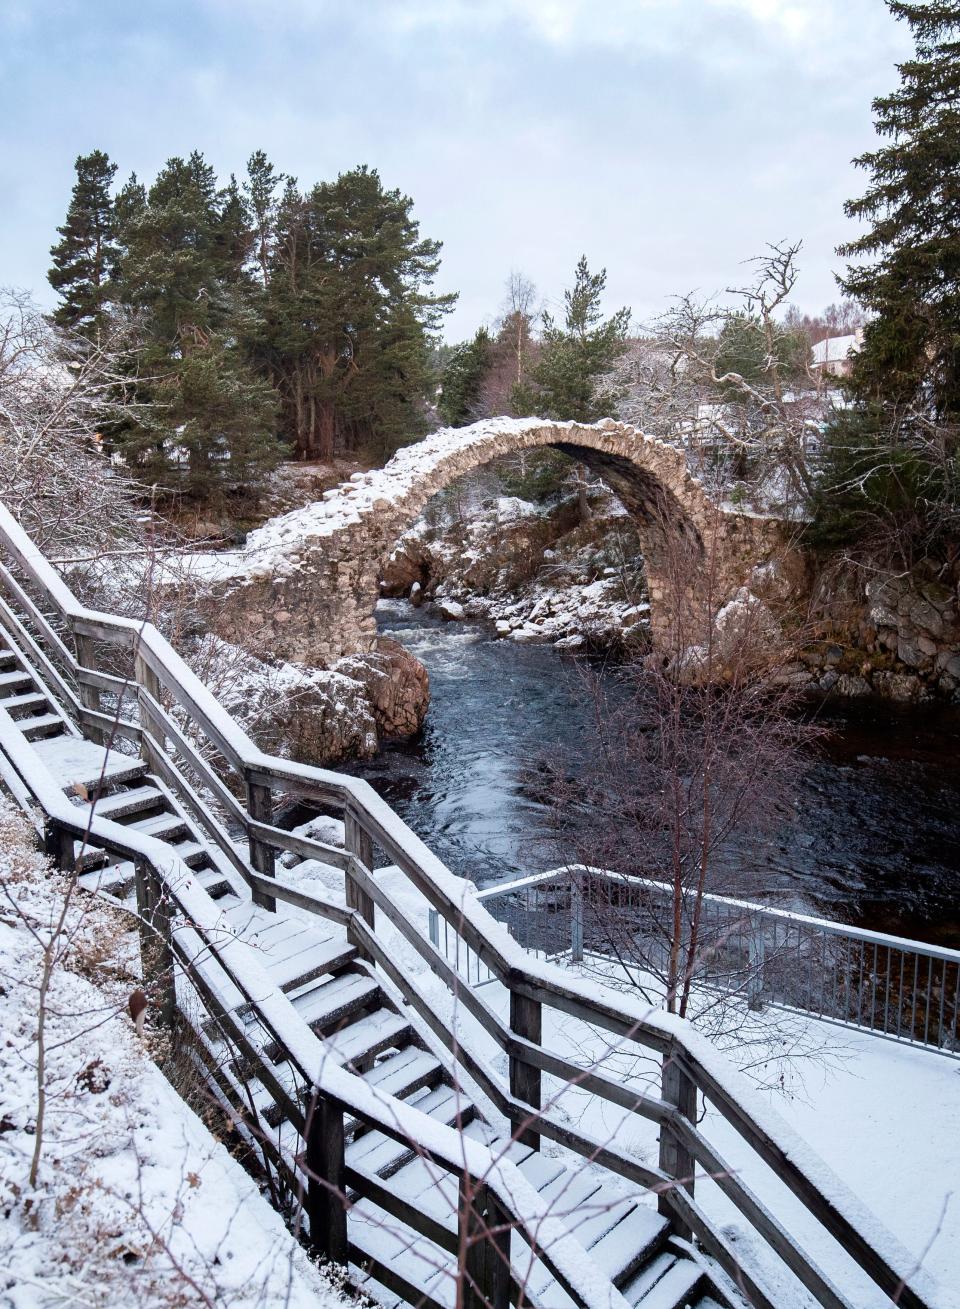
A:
[387,1136]
[339,996]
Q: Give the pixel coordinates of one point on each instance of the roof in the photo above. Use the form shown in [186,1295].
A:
[835,349]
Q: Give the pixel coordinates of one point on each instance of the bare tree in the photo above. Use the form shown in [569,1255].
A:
[692,761]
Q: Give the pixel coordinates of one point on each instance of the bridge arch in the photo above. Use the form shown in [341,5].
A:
[317,569]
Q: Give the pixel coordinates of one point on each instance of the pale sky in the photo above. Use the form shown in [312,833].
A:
[666,139]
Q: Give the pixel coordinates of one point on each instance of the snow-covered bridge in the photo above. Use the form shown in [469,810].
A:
[306,585]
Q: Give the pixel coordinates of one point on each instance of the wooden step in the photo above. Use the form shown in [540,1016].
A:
[371,1035]
[16,705]
[328,957]
[329,1004]
[41,726]
[666,1283]
[162,826]
[7,657]
[404,1072]
[120,805]
[76,762]
[12,680]
[379,1155]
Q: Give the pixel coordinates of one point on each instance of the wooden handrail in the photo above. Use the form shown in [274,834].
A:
[825,1196]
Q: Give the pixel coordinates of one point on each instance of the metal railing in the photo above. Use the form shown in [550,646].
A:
[905,990]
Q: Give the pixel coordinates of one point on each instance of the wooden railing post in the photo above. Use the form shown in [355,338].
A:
[358,843]
[58,845]
[526,1020]
[155,923]
[89,695]
[677,1089]
[485,1245]
[326,1186]
[154,736]
[263,857]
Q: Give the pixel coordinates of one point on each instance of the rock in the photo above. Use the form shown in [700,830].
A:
[851,685]
[829,680]
[451,610]
[397,686]
[909,652]
[897,686]
[416,595]
[571,642]
[502,627]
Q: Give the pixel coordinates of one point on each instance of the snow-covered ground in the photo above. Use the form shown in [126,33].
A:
[135,1202]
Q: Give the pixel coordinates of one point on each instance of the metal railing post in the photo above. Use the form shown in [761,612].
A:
[756,954]
[576,922]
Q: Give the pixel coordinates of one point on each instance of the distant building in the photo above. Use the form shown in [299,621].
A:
[834,355]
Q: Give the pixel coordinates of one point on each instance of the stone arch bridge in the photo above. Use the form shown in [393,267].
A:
[305,586]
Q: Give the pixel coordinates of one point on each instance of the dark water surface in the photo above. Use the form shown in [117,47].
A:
[874,836]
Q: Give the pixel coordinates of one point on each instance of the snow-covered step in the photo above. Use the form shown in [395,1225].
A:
[427,1270]
[407,1070]
[310,962]
[370,1036]
[378,1155]
[40,725]
[76,762]
[16,678]
[631,1244]
[26,701]
[120,805]
[665,1283]
[330,1003]
[162,826]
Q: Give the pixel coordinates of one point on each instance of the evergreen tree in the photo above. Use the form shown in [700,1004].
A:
[568,378]
[911,282]
[85,256]
[261,190]
[461,385]
[211,427]
[349,316]
[891,463]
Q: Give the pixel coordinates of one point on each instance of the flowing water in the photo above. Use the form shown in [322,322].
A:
[874,833]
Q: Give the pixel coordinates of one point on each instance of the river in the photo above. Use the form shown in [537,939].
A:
[873,836]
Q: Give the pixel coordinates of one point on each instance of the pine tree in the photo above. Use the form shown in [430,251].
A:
[261,190]
[461,385]
[349,316]
[85,256]
[912,284]
[184,269]
[575,358]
